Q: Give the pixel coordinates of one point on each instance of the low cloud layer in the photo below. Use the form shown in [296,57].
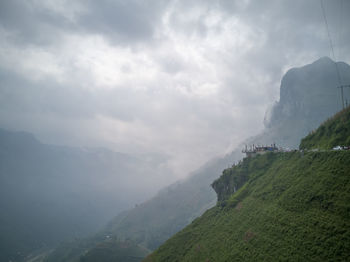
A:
[187,79]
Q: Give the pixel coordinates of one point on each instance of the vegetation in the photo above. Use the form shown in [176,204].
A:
[305,101]
[288,207]
[297,210]
[154,221]
[234,178]
[334,132]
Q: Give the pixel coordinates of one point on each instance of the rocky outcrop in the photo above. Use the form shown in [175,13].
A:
[308,96]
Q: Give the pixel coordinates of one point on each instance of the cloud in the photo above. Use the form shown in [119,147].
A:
[33,22]
[122,22]
[186,79]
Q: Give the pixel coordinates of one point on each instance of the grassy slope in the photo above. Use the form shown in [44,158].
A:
[290,206]
[335,131]
[299,209]
[234,178]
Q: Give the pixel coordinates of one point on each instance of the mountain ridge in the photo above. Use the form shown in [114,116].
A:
[47,192]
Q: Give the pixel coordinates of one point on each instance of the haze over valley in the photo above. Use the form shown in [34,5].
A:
[117,116]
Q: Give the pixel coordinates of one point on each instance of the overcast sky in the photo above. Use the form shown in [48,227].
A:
[188,79]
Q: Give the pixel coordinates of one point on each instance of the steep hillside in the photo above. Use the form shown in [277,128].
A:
[298,209]
[304,91]
[334,132]
[154,221]
[293,206]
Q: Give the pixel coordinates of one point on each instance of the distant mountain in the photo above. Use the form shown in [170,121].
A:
[106,249]
[116,251]
[51,193]
[290,207]
[154,221]
[308,96]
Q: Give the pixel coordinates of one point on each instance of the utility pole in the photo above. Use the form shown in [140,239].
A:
[342,93]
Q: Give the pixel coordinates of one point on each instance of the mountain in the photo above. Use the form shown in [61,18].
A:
[52,193]
[288,207]
[308,96]
[113,250]
[154,221]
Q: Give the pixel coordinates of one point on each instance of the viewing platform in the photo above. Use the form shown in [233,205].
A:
[254,150]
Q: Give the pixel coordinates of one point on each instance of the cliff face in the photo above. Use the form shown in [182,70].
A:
[311,87]
[232,179]
[308,96]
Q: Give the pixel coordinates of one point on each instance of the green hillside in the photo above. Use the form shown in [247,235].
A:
[288,207]
[334,132]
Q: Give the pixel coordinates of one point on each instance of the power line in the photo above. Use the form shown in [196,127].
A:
[340,28]
[342,94]
[330,41]
[332,49]
[327,27]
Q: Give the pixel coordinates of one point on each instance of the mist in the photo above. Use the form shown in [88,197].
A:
[152,77]
[149,91]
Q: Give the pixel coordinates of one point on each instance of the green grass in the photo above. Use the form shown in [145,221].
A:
[293,207]
[333,132]
[235,178]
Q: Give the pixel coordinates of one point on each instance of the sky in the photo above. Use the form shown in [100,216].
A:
[184,81]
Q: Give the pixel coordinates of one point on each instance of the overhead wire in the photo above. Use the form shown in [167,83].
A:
[330,41]
[340,28]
